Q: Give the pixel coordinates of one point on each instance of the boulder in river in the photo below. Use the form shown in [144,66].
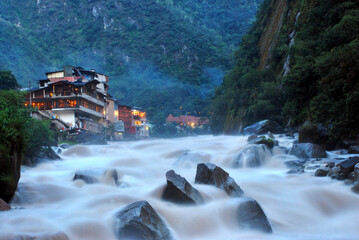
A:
[263,127]
[208,173]
[270,143]
[308,150]
[140,221]
[4,206]
[178,190]
[322,172]
[356,172]
[348,165]
[355,188]
[250,215]
[91,176]
[56,236]
[251,156]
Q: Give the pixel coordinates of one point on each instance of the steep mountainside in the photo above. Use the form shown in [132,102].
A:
[299,62]
[146,46]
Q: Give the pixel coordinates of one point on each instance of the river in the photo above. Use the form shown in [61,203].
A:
[297,206]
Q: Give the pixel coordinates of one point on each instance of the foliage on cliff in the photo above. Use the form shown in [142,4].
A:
[321,50]
[20,135]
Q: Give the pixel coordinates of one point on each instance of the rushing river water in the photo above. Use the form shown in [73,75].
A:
[297,206]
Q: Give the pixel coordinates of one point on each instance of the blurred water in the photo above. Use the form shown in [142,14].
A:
[297,206]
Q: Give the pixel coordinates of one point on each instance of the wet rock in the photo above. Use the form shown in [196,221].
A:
[208,173]
[91,176]
[263,127]
[4,206]
[335,173]
[47,153]
[250,215]
[140,221]
[265,141]
[348,165]
[308,150]
[356,172]
[330,165]
[294,164]
[296,171]
[348,182]
[251,156]
[316,134]
[322,172]
[56,236]
[270,135]
[355,188]
[252,137]
[353,149]
[87,176]
[65,146]
[178,190]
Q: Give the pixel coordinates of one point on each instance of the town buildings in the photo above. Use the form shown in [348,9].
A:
[80,99]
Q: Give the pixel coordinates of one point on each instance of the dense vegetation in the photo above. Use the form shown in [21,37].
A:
[322,84]
[21,136]
[147,47]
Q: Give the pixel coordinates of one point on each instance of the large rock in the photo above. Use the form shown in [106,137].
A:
[356,172]
[56,236]
[46,153]
[4,206]
[348,165]
[140,221]
[270,143]
[250,215]
[263,127]
[178,190]
[316,134]
[322,172]
[251,156]
[91,176]
[10,166]
[355,188]
[308,150]
[208,173]
[354,149]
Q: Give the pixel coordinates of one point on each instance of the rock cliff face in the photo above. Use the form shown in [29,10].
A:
[296,64]
[10,164]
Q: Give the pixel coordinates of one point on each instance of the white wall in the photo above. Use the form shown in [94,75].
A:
[66,116]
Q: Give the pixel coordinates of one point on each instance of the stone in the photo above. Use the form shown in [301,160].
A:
[355,188]
[354,149]
[263,140]
[296,171]
[316,134]
[65,146]
[308,150]
[322,172]
[87,176]
[252,156]
[47,153]
[252,137]
[348,165]
[330,165]
[250,215]
[178,190]
[270,135]
[208,173]
[140,221]
[356,172]
[263,127]
[10,166]
[4,206]
[56,236]
[90,176]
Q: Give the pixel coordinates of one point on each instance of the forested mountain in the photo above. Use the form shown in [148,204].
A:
[299,62]
[157,52]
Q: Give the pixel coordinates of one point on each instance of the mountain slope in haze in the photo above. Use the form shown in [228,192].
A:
[299,62]
[147,47]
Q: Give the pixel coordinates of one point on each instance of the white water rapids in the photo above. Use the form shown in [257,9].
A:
[297,206]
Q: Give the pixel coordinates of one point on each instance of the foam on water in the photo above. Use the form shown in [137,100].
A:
[297,206]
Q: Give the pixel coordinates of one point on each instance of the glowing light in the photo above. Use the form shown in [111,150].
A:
[116,113]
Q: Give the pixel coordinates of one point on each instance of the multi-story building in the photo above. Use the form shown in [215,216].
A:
[74,95]
[139,121]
